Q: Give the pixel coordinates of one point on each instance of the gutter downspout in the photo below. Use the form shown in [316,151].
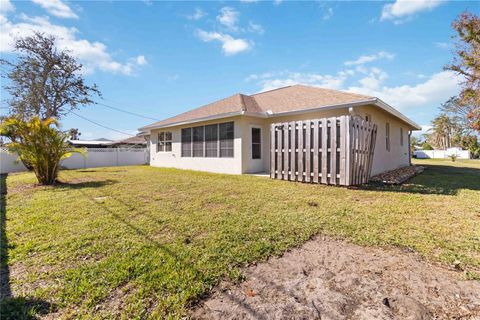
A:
[409,148]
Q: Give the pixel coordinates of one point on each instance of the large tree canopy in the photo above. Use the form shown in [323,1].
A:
[467,64]
[445,132]
[45,82]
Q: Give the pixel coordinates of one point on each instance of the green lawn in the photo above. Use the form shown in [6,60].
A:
[139,242]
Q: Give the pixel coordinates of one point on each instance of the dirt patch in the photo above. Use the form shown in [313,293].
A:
[332,279]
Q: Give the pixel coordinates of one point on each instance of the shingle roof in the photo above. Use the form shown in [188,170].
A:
[231,104]
[131,140]
[291,98]
[299,97]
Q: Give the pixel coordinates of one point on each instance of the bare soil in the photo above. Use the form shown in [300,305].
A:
[333,279]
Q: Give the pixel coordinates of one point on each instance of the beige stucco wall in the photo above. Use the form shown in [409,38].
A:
[175,160]
[398,156]
[242,161]
[383,160]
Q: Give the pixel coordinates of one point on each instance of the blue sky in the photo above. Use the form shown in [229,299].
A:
[162,58]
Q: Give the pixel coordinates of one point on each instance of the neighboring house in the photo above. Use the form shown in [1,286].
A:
[132,142]
[442,154]
[97,143]
[232,135]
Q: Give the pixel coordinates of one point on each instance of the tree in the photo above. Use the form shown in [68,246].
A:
[467,64]
[426,146]
[74,134]
[44,81]
[445,132]
[38,143]
[468,115]
[414,142]
[470,143]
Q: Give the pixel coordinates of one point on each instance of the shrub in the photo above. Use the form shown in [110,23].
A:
[38,143]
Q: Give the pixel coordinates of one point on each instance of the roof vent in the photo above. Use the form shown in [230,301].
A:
[269,112]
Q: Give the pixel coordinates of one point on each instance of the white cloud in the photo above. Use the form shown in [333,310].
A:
[6,6]
[404,9]
[431,91]
[328,14]
[273,80]
[56,8]
[197,15]
[425,129]
[173,77]
[277,2]
[141,60]
[374,78]
[230,45]
[370,58]
[434,91]
[93,55]
[228,17]
[443,45]
[256,28]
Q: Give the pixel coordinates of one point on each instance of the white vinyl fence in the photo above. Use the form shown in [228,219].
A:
[95,157]
[442,154]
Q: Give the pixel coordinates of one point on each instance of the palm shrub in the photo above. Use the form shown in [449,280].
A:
[39,143]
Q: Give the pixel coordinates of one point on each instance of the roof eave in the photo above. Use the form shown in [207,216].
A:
[373,101]
[385,106]
[179,123]
[322,108]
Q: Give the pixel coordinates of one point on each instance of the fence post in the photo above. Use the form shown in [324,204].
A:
[272,150]
[348,151]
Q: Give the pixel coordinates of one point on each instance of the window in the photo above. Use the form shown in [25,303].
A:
[164,143]
[211,140]
[256,143]
[187,142]
[387,136]
[368,118]
[226,139]
[198,141]
[401,137]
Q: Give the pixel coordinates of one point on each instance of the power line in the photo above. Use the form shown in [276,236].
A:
[125,111]
[128,107]
[101,125]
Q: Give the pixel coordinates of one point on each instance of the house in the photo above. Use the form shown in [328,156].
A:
[97,143]
[232,135]
[132,142]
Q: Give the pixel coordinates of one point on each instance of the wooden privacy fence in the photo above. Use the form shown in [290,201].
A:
[336,150]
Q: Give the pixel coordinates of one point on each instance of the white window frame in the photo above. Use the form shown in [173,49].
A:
[251,142]
[164,141]
[387,136]
[218,124]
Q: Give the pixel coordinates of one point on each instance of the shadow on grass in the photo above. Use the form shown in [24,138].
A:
[436,179]
[100,170]
[14,307]
[84,184]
